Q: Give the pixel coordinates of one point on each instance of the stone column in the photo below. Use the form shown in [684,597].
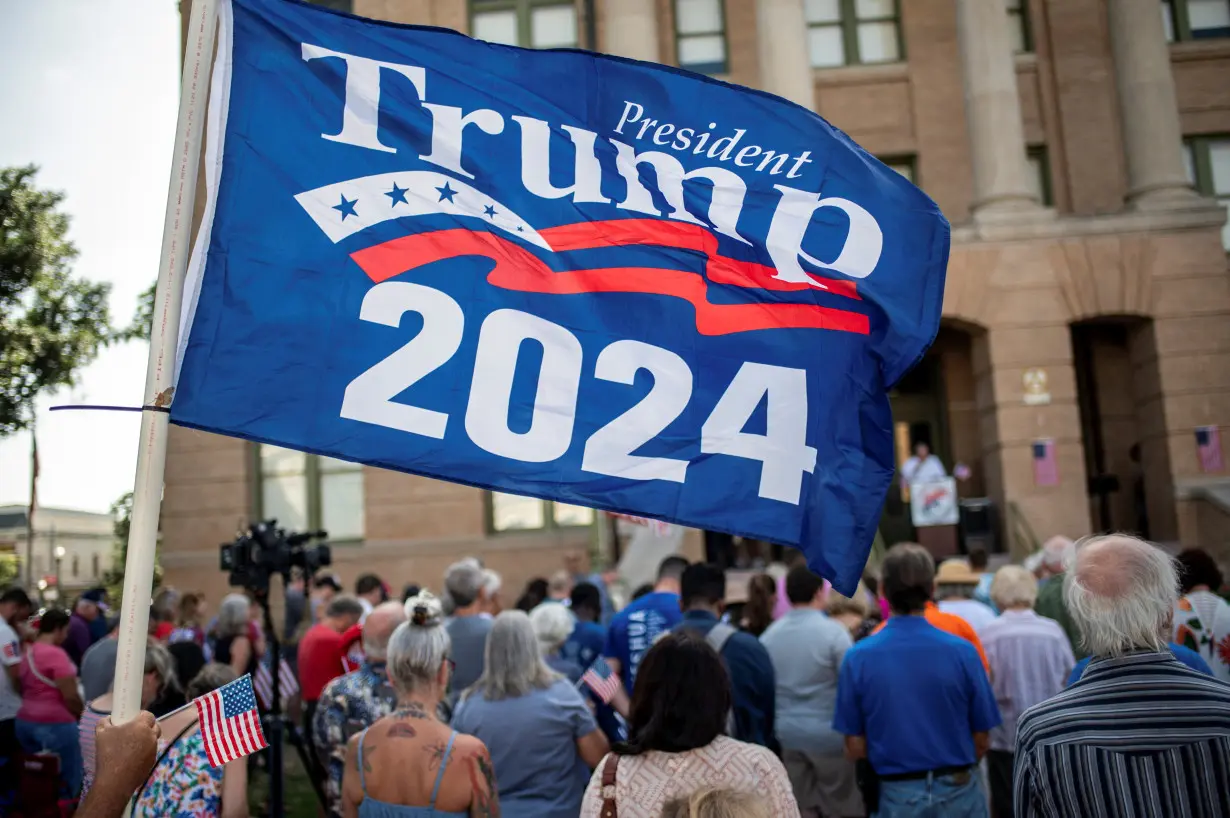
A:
[630,29]
[1152,135]
[993,109]
[781,44]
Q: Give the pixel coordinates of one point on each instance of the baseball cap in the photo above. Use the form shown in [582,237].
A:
[98,596]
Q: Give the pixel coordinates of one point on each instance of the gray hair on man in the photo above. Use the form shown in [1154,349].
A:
[463,580]
[1057,554]
[233,613]
[379,627]
[418,647]
[553,624]
[491,583]
[514,666]
[1121,593]
[1014,587]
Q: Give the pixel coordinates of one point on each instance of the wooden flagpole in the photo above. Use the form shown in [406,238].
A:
[160,368]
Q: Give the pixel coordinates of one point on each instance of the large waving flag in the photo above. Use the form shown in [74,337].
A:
[554,273]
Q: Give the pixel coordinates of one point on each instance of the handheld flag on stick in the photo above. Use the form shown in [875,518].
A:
[601,679]
[229,722]
[262,683]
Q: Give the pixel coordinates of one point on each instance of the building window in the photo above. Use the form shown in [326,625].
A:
[700,36]
[1207,159]
[1195,19]
[903,165]
[308,492]
[336,5]
[849,32]
[94,565]
[1018,26]
[527,23]
[512,512]
[1039,174]
[76,566]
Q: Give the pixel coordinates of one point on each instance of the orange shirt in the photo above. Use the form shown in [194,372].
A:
[951,623]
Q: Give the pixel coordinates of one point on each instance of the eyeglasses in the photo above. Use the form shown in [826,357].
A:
[452,666]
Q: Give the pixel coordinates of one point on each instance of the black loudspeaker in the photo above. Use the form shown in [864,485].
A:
[978,527]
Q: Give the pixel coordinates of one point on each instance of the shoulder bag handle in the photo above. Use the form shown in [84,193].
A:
[609,768]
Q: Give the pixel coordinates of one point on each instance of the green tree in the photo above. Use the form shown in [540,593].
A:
[51,324]
[113,579]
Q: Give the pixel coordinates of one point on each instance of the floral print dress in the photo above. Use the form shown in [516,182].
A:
[183,785]
[1202,623]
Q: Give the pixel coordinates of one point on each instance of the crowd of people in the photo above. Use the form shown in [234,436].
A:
[1093,680]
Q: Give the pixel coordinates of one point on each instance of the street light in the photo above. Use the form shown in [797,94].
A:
[59,552]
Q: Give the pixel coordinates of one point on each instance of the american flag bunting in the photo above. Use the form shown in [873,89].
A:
[262,683]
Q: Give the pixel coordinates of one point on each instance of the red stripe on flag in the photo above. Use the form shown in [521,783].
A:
[519,270]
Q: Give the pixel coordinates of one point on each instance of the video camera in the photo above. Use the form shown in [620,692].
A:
[264,550]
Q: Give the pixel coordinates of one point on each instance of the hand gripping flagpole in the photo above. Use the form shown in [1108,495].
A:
[160,368]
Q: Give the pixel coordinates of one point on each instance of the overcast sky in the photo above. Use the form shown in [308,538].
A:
[88,91]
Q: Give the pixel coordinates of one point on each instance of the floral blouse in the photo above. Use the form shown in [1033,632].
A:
[183,785]
[1202,623]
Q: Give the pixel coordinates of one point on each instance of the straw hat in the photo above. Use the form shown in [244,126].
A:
[956,572]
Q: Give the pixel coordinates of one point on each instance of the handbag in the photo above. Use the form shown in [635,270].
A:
[609,808]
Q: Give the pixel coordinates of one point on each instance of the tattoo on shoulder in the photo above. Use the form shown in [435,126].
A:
[435,754]
[400,729]
[486,803]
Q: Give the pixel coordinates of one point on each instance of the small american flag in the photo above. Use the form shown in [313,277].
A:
[262,683]
[1046,470]
[602,680]
[1208,447]
[11,650]
[230,726]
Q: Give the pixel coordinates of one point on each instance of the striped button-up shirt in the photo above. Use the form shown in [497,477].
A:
[1140,736]
[1030,661]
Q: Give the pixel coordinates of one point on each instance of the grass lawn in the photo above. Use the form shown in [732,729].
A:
[297,791]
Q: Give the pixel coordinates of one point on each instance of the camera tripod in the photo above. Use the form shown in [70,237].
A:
[276,724]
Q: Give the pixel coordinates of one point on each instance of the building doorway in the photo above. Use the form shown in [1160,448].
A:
[1118,393]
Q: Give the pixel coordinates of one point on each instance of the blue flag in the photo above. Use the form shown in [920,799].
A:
[554,273]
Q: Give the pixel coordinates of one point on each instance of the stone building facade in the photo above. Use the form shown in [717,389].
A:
[1081,149]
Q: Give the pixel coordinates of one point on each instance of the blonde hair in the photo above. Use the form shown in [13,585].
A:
[836,604]
[718,804]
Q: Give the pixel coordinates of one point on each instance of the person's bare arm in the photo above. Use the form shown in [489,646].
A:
[352,786]
[982,742]
[235,789]
[241,652]
[72,696]
[127,752]
[620,702]
[593,748]
[856,747]
[485,796]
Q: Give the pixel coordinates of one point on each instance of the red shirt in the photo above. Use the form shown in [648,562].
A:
[163,631]
[321,651]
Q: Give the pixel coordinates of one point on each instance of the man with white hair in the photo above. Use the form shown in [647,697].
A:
[492,582]
[1057,555]
[354,702]
[464,582]
[1030,659]
[1140,734]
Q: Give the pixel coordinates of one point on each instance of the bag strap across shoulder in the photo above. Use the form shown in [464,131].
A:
[609,769]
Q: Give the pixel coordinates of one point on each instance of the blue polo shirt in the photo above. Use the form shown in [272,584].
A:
[917,694]
[753,684]
[1187,656]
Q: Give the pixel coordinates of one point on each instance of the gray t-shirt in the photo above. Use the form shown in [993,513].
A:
[468,635]
[98,668]
[533,744]
[807,648]
[10,655]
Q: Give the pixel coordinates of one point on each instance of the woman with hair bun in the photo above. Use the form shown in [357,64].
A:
[409,764]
